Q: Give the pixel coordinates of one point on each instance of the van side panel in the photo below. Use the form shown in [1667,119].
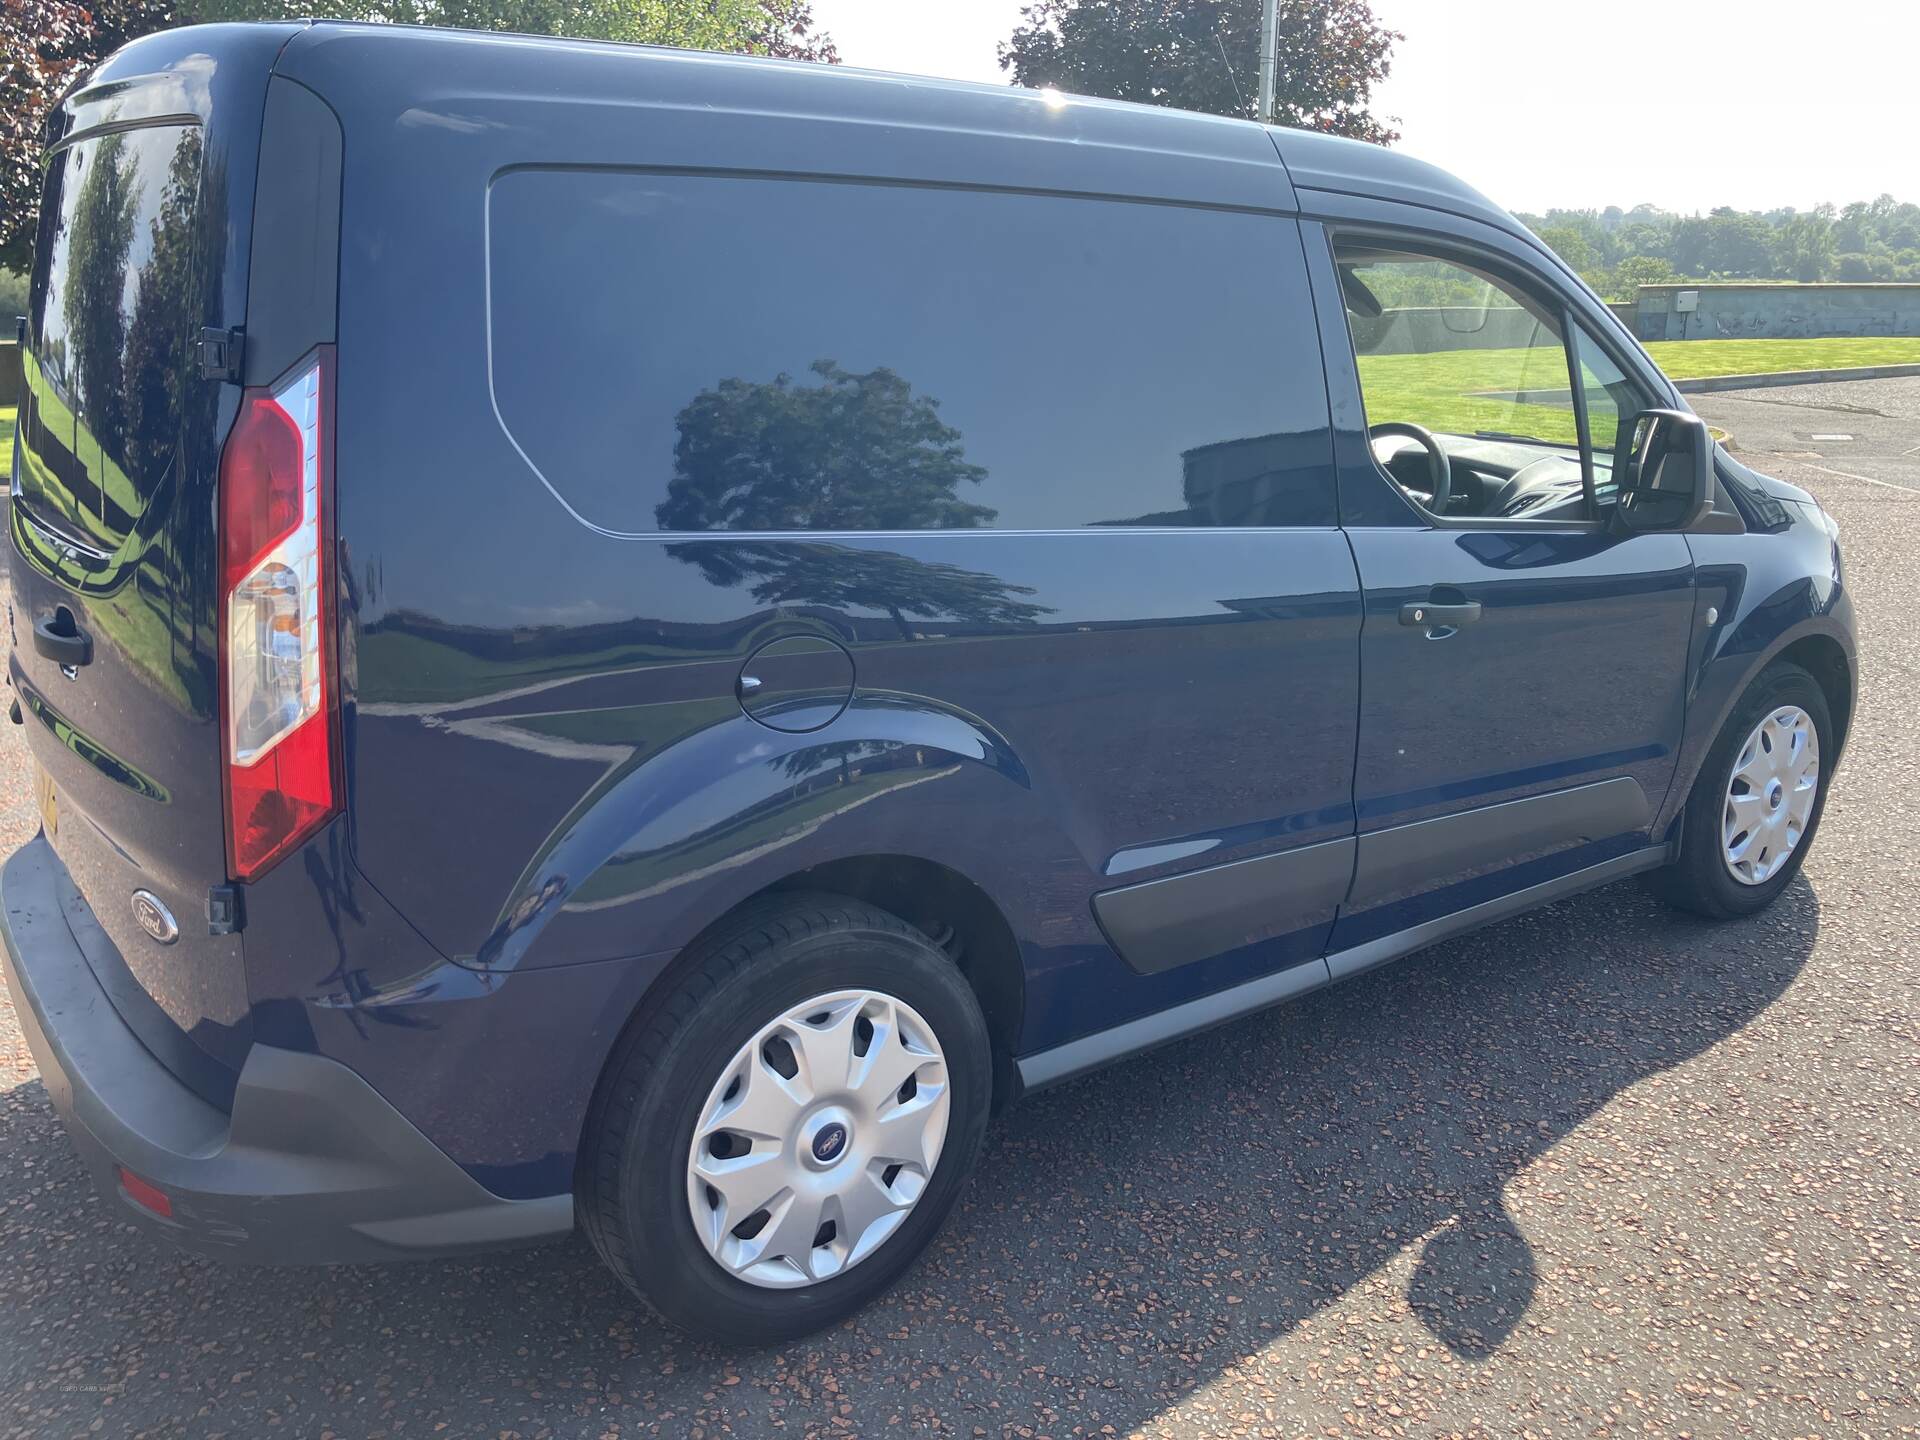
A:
[549,766]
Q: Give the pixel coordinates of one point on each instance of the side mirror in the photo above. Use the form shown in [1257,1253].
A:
[1666,482]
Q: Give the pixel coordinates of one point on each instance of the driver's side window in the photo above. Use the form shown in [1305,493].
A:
[1465,380]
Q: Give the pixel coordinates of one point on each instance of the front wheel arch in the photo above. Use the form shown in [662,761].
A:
[1822,657]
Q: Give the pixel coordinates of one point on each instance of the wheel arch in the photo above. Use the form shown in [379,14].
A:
[1824,658]
[959,917]
[953,911]
[1818,646]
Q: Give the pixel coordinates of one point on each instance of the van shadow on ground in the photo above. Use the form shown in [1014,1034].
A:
[1134,1234]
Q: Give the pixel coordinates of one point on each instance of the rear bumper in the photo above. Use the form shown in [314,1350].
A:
[312,1165]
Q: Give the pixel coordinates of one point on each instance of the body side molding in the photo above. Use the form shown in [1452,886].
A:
[1428,853]
[1160,924]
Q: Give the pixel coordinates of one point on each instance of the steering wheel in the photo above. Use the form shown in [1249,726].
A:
[1437,463]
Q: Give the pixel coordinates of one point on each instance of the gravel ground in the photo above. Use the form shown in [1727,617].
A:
[1600,1171]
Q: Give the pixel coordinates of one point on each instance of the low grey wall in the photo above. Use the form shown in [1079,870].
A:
[9,374]
[1422,331]
[1776,312]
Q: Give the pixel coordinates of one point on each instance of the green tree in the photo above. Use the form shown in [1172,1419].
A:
[1738,244]
[1637,270]
[857,451]
[46,44]
[96,320]
[1205,55]
[1902,230]
[750,27]
[1803,248]
[854,452]
[1852,268]
[843,577]
[1690,247]
[690,24]
[787,32]
[1570,245]
[1851,230]
[158,381]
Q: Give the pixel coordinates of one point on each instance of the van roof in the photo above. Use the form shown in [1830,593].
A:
[1241,157]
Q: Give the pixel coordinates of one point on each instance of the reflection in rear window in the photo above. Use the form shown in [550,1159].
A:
[690,353]
[110,330]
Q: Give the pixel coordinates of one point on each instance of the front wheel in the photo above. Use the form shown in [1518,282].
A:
[781,1136]
[1757,801]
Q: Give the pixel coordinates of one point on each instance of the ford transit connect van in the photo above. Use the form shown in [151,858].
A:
[634,640]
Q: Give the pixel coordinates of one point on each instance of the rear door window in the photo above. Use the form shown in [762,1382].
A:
[109,341]
[697,353]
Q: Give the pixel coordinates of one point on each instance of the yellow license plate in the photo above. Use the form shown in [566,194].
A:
[49,801]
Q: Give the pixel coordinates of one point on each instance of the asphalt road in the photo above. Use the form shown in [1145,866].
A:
[1600,1171]
[1860,430]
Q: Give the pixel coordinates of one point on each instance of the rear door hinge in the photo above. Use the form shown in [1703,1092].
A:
[225,914]
[221,353]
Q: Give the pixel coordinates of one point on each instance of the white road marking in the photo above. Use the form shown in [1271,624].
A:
[1830,437]
[1868,479]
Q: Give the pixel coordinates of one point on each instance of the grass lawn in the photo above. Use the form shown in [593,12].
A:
[1698,359]
[1459,391]
[1455,392]
[6,442]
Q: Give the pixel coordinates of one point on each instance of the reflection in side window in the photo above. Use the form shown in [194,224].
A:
[716,354]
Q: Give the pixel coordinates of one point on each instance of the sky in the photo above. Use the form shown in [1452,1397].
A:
[1684,104]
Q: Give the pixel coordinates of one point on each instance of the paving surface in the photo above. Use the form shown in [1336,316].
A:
[1854,429]
[1600,1171]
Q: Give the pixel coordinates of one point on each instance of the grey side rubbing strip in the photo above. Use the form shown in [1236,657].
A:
[1160,924]
[1412,858]
[1346,963]
[1090,1052]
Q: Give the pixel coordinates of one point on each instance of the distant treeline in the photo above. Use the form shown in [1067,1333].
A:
[1617,250]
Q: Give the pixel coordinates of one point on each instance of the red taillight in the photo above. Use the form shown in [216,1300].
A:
[275,620]
[148,1197]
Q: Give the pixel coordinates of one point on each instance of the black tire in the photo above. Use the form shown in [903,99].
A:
[774,954]
[1699,881]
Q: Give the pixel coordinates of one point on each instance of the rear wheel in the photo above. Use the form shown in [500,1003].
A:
[1757,801]
[787,1128]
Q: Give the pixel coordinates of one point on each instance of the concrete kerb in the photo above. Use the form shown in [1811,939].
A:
[1706,384]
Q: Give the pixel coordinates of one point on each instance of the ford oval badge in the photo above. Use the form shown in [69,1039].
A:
[154,917]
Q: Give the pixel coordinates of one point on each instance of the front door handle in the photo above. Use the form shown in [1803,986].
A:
[60,639]
[1430,616]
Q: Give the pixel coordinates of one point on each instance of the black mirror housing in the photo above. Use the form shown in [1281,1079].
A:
[1666,482]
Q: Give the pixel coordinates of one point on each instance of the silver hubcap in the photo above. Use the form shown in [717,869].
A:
[818,1139]
[1770,795]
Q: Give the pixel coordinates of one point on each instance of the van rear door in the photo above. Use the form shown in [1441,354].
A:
[113,581]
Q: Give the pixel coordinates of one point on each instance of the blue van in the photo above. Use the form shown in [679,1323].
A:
[636,640]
